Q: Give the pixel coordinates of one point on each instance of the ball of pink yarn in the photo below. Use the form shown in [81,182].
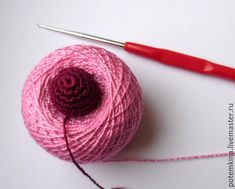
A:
[103,132]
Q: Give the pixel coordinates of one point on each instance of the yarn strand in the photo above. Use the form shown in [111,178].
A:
[173,159]
[72,157]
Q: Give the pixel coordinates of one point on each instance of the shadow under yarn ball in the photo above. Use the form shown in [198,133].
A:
[98,94]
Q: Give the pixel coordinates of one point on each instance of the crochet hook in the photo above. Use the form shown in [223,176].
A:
[164,56]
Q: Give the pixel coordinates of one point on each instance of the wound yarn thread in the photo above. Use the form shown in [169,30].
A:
[82,104]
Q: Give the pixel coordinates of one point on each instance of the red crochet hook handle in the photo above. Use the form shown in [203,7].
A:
[181,60]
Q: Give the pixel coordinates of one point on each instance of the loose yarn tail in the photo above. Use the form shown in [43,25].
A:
[72,157]
[174,159]
[161,160]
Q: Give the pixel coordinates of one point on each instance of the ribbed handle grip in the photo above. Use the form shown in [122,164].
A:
[181,60]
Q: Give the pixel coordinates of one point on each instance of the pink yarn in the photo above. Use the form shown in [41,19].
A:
[98,135]
[103,132]
[173,159]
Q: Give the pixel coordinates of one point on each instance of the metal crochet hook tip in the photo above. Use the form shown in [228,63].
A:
[82,35]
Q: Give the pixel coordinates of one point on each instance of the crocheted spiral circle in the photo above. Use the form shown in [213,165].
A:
[95,89]
[74,92]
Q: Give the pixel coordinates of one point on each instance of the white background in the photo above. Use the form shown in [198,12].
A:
[185,113]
